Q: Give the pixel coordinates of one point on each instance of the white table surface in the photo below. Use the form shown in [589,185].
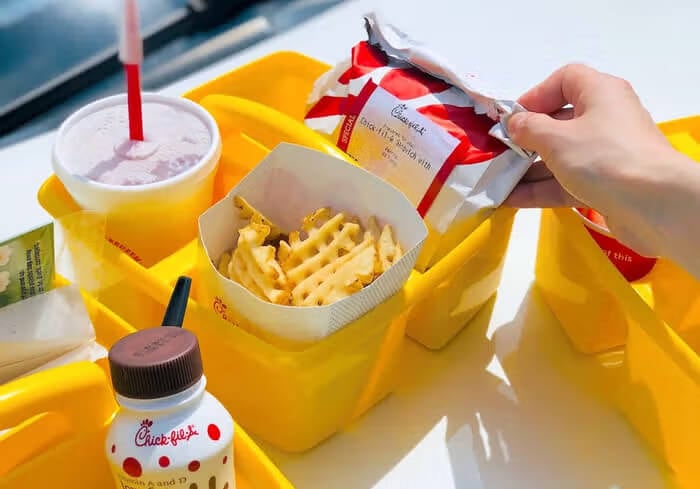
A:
[494,409]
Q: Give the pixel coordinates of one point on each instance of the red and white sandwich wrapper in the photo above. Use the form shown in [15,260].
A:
[405,115]
[288,184]
[628,262]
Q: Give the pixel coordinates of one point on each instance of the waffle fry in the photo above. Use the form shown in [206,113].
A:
[224,262]
[247,211]
[254,266]
[331,263]
[388,249]
[330,257]
[340,278]
[299,258]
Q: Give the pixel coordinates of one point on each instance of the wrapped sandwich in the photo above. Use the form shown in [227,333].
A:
[405,115]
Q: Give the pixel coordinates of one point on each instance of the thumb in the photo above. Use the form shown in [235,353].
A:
[536,132]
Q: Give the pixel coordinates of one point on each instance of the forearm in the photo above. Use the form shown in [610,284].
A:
[672,211]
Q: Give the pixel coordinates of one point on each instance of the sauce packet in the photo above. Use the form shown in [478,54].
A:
[27,263]
[403,113]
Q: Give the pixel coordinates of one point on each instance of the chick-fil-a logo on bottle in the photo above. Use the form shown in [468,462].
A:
[144,437]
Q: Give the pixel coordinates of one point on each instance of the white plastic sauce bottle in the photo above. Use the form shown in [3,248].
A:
[169,432]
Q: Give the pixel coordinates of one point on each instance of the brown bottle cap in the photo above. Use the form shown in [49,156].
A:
[155,362]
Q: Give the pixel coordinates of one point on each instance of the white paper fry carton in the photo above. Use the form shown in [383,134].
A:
[290,183]
[403,113]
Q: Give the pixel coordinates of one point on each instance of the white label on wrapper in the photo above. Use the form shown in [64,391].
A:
[397,143]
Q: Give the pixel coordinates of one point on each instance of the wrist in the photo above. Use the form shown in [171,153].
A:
[651,200]
[670,209]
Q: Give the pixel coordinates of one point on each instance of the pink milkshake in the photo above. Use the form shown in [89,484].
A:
[98,147]
[151,191]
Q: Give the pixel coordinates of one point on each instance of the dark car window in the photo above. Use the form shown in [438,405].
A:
[57,36]
[60,54]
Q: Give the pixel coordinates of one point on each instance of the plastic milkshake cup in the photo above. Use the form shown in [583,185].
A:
[150,191]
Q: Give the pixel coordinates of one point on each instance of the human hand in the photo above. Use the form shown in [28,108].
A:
[600,149]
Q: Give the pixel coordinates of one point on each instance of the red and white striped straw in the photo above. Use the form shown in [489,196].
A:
[131,56]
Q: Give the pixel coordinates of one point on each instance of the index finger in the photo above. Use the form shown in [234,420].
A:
[565,86]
